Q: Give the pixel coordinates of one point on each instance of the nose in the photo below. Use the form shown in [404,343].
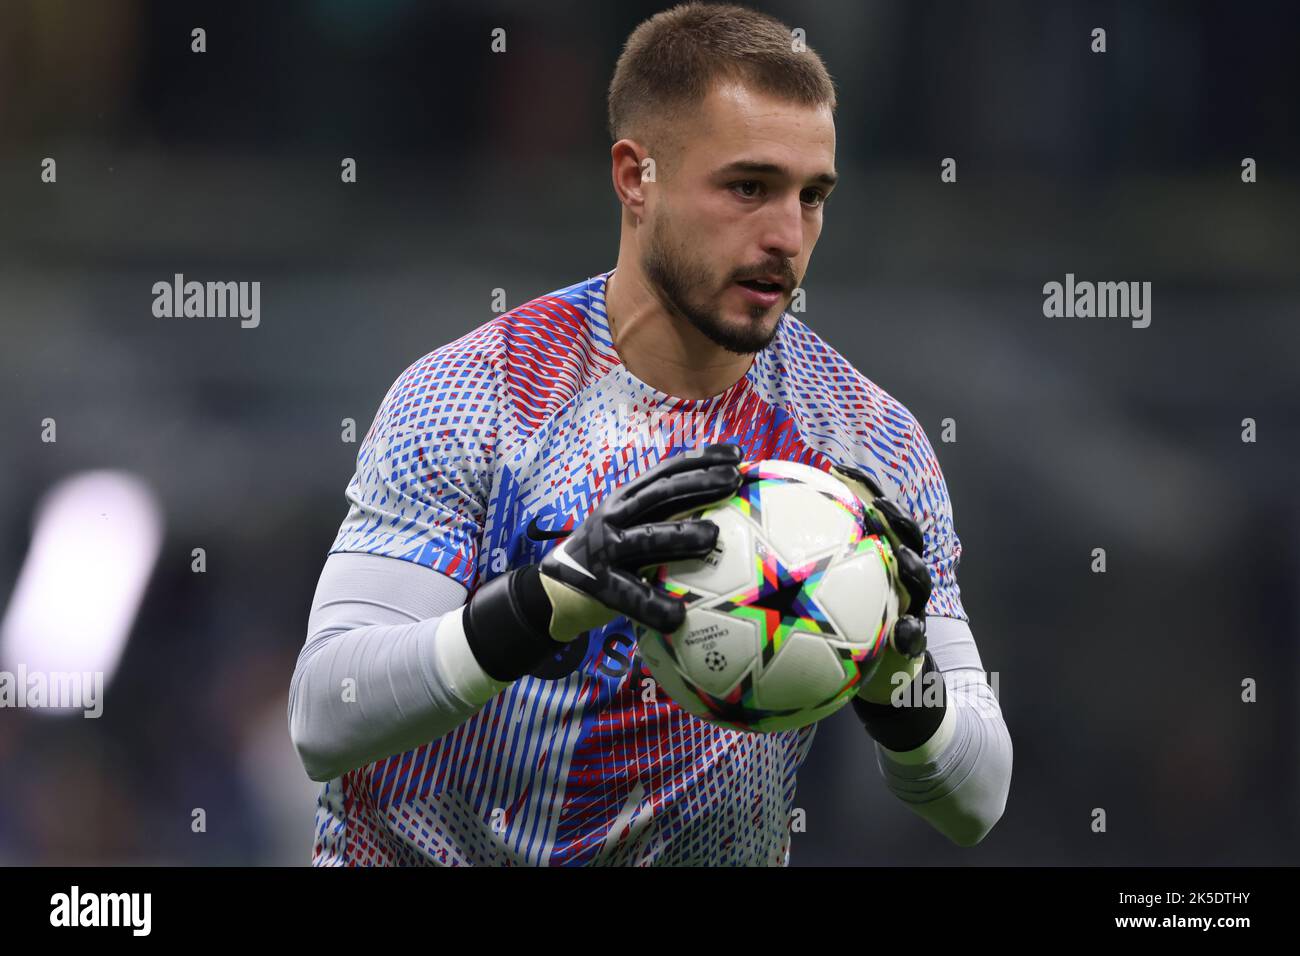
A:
[783,235]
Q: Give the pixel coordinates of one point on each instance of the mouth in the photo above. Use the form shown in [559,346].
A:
[765,284]
[763,292]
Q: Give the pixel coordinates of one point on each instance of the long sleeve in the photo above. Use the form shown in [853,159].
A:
[958,780]
[385,667]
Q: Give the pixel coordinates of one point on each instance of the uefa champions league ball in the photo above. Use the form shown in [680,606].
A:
[788,614]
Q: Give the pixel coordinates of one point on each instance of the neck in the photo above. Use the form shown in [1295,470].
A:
[662,349]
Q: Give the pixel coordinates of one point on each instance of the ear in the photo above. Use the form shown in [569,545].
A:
[627,167]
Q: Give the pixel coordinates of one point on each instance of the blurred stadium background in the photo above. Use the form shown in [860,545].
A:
[478,170]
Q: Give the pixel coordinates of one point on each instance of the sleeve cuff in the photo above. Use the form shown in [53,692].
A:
[904,728]
[465,676]
[929,751]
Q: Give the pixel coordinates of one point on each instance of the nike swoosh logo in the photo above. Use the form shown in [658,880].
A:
[543,534]
[567,560]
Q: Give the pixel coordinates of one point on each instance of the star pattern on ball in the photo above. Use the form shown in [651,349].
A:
[783,600]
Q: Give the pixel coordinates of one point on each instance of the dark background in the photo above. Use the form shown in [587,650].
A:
[478,170]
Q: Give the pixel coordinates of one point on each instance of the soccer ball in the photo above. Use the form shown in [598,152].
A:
[788,614]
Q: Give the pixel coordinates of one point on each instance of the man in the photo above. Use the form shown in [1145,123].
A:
[470,692]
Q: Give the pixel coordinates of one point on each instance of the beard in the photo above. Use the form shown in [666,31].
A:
[682,283]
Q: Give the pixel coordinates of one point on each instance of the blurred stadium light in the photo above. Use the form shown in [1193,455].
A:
[97,535]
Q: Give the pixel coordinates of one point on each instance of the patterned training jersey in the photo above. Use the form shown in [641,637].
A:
[533,416]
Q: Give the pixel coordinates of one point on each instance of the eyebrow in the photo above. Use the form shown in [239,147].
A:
[773,169]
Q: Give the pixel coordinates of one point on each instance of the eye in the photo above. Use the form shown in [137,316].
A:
[748,182]
[814,197]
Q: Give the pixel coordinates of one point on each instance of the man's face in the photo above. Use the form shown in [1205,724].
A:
[743,199]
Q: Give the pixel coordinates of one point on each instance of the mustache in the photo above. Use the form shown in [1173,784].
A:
[784,271]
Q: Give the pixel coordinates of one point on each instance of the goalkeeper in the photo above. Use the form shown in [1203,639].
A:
[470,690]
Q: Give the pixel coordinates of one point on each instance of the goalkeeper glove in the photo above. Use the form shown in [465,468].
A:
[905,652]
[519,618]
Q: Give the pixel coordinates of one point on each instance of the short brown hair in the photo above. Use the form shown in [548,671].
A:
[671,61]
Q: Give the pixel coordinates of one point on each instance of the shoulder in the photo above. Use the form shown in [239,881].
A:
[519,368]
[466,371]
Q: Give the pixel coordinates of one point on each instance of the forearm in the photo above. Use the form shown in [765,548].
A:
[959,778]
[381,675]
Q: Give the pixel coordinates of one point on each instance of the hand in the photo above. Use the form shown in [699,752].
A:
[593,576]
[905,652]
[519,618]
